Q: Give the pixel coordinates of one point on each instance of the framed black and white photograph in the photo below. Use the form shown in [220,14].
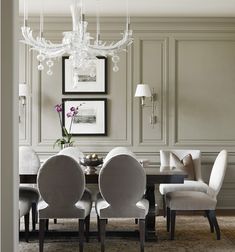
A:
[87,83]
[89,119]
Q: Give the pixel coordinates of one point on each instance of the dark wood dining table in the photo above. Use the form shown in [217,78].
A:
[154,176]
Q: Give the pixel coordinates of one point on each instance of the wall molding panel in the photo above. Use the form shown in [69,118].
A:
[190,63]
[148,50]
[208,42]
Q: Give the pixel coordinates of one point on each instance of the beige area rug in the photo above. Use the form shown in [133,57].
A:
[192,234]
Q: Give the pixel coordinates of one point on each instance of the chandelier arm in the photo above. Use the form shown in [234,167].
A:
[45,47]
[113,46]
[51,55]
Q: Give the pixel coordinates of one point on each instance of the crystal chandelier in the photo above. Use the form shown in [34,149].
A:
[77,44]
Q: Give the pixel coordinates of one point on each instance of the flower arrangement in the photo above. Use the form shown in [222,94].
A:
[67,138]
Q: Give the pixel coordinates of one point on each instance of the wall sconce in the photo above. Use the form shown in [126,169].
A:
[142,91]
[22,97]
[22,93]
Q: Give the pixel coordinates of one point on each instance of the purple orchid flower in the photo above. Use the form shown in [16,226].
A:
[69,114]
[73,111]
[58,108]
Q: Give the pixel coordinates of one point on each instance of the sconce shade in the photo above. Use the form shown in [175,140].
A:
[22,89]
[143,90]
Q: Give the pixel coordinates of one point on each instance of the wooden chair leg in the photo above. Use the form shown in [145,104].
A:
[215,223]
[55,221]
[164,205]
[26,225]
[34,215]
[81,234]
[102,233]
[209,220]
[42,223]
[168,219]
[87,225]
[142,234]
[47,224]
[98,228]
[173,214]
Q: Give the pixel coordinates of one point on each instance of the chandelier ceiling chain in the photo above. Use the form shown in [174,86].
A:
[76,43]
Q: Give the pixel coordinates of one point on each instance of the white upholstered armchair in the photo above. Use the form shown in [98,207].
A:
[192,184]
[195,200]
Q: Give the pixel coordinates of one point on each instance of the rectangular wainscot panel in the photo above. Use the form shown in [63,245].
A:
[152,65]
[205,77]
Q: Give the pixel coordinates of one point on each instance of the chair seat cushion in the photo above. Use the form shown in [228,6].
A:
[29,193]
[94,190]
[24,206]
[84,204]
[190,200]
[189,185]
[121,212]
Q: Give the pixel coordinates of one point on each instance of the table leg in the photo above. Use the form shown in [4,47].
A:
[150,218]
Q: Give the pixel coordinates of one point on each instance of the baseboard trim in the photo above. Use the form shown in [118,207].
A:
[219,212]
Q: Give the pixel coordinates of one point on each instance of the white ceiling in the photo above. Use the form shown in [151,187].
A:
[158,8]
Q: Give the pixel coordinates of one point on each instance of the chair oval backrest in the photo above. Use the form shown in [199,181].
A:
[61,181]
[73,152]
[28,160]
[196,156]
[118,151]
[218,171]
[122,181]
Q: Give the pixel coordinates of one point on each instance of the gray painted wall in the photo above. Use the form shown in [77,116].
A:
[191,65]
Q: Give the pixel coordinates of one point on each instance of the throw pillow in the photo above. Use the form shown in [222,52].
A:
[186,165]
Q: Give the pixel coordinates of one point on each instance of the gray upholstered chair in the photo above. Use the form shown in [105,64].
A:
[189,184]
[25,205]
[195,200]
[61,183]
[118,151]
[29,163]
[75,153]
[122,183]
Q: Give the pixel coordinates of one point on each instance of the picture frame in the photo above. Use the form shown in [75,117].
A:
[91,119]
[88,84]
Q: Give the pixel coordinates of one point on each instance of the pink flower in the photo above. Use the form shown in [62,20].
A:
[69,114]
[72,109]
[75,112]
[58,108]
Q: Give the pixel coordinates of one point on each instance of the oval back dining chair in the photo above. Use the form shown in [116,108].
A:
[61,183]
[118,151]
[29,163]
[122,183]
[195,200]
[73,152]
